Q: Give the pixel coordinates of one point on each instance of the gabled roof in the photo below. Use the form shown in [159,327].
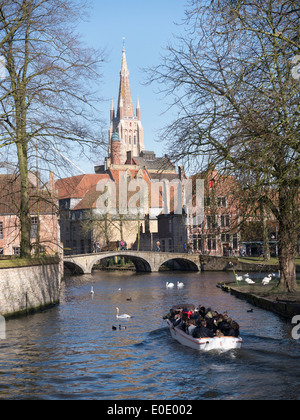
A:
[40,199]
[78,186]
[91,195]
[157,165]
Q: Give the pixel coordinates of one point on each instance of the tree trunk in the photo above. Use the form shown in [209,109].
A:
[267,253]
[25,217]
[287,238]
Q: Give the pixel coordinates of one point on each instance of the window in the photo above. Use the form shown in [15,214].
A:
[225,221]
[197,240]
[170,226]
[211,243]
[1,251]
[16,251]
[34,227]
[235,242]
[211,221]
[212,184]
[1,230]
[222,201]
[225,237]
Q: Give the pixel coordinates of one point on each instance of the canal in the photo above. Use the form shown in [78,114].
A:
[71,351]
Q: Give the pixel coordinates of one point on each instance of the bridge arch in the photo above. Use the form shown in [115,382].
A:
[74,268]
[181,264]
[142,265]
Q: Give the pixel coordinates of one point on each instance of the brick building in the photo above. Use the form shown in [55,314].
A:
[45,231]
[219,233]
[81,224]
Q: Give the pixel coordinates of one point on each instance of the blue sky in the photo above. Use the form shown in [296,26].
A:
[147,27]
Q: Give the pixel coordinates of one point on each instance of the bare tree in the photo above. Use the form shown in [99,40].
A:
[47,100]
[230,77]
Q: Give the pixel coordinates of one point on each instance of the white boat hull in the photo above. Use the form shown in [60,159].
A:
[205,344]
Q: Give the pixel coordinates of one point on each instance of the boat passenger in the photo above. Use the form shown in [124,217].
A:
[202,331]
[188,313]
[191,326]
[177,320]
[202,311]
[209,313]
[236,328]
[227,329]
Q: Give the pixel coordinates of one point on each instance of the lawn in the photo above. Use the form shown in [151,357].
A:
[260,260]
[27,262]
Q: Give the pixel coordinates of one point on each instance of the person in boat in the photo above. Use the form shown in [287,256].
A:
[177,320]
[202,311]
[219,334]
[202,331]
[188,312]
[191,326]
[230,328]
[236,328]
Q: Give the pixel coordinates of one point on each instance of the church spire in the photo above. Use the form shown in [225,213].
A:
[125,97]
[124,121]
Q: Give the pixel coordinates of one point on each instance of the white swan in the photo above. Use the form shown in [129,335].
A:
[92,291]
[267,280]
[124,316]
[170,285]
[239,278]
[249,281]
[180,285]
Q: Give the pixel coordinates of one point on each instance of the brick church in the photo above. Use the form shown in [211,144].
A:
[81,225]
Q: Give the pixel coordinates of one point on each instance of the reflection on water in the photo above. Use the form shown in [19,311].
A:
[71,351]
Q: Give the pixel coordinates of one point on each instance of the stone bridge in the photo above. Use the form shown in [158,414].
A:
[143,261]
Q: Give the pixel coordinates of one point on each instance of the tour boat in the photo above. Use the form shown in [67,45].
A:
[204,344]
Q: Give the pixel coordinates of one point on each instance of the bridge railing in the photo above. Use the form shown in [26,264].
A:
[99,250]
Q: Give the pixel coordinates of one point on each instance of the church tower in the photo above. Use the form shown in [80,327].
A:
[124,121]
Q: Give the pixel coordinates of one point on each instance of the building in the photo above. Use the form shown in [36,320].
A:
[125,121]
[45,230]
[83,227]
[219,233]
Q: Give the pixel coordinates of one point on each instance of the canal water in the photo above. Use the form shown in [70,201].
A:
[71,351]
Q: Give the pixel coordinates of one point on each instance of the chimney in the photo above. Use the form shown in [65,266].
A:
[52,183]
[181,173]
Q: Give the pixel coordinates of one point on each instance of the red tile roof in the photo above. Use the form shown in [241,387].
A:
[78,186]
[10,197]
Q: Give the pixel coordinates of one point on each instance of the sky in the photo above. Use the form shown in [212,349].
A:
[147,26]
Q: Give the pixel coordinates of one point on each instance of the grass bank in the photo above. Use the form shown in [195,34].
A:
[28,262]
[261,261]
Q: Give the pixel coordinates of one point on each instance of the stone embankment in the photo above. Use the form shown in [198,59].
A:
[30,288]
[285,306]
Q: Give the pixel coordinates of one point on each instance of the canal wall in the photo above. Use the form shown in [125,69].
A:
[212,263]
[24,290]
[285,308]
